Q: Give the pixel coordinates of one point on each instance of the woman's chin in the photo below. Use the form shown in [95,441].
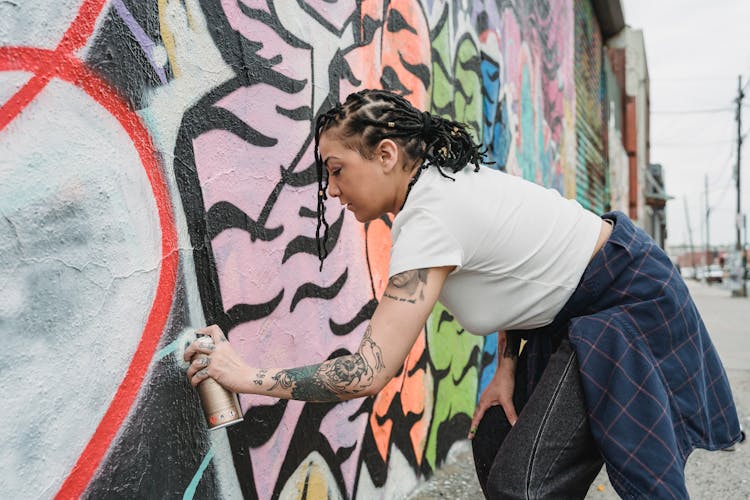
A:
[363,218]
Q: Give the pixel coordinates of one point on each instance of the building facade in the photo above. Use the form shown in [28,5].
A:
[644,184]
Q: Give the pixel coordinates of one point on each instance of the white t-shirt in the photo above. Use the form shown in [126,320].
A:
[519,249]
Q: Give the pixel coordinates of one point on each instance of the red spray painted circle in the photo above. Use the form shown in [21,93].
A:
[61,63]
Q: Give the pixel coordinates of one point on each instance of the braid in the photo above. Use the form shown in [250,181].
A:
[369,116]
[322,123]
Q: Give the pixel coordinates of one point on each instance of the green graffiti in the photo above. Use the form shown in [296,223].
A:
[456,94]
[442,80]
[456,374]
[468,93]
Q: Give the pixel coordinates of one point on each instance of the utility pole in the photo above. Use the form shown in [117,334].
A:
[708,211]
[742,291]
[690,238]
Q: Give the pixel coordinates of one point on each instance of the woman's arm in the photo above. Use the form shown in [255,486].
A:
[500,389]
[392,331]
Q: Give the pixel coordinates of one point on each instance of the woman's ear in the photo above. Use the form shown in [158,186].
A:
[388,154]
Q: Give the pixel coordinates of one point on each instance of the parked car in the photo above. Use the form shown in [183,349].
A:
[713,274]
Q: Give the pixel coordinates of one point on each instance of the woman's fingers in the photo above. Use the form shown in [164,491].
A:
[198,363]
[479,412]
[211,345]
[510,412]
[202,345]
[214,332]
[481,409]
[199,377]
[475,419]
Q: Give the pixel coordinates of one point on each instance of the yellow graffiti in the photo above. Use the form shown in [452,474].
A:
[166,34]
[312,479]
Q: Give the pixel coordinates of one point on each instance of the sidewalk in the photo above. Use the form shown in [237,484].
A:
[721,474]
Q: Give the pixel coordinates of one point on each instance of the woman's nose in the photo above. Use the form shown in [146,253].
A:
[333,189]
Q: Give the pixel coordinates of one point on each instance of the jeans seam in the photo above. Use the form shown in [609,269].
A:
[549,469]
[543,424]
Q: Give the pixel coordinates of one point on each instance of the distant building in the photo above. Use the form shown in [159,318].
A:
[655,219]
[619,175]
[636,186]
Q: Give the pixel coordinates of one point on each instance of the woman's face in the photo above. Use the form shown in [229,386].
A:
[365,186]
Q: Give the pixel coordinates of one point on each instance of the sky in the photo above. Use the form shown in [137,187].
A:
[695,51]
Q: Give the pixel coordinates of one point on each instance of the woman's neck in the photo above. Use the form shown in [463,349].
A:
[413,178]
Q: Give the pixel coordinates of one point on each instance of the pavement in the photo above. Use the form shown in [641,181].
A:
[710,475]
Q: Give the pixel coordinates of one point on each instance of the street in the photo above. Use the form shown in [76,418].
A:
[721,474]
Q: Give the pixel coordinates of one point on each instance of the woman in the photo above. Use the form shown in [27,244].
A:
[617,367]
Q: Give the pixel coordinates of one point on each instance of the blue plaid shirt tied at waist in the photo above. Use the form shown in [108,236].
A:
[654,385]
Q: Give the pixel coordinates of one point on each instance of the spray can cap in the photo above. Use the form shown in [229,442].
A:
[204,338]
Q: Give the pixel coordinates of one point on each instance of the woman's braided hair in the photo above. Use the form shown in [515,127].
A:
[369,116]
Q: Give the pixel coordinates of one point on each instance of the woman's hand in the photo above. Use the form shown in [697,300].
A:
[499,391]
[222,363]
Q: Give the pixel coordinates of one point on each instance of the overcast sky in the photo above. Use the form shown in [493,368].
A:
[696,49]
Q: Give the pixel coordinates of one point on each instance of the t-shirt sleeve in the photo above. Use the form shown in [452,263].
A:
[423,241]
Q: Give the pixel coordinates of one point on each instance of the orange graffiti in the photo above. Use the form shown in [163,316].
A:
[378,246]
[394,52]
[413,396]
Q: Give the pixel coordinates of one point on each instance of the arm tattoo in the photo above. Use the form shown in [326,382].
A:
[328,381]
[260,376]
[208,345]
[399,299]
[410,283]
[512,345]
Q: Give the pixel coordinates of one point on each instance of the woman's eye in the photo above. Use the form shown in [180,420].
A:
[335,172]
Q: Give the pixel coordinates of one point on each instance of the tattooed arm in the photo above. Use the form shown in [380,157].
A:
[344,377]
[393,329]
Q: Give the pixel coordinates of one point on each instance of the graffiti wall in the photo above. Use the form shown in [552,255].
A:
[157,173]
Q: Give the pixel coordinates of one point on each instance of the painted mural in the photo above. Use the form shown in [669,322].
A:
[157,173]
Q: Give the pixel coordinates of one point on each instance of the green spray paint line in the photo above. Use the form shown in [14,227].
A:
[184,338]
[168,349]
[190,490]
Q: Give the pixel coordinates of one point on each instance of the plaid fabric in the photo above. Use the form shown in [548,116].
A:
[654,385]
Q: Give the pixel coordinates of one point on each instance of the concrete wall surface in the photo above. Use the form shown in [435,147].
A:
[156,172]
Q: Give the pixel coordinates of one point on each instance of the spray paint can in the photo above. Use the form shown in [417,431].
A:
[220,406]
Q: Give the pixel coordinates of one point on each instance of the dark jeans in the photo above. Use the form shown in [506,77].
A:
[550,452]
